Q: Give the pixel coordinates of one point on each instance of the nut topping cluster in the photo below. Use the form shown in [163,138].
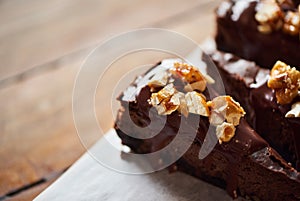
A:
[271,17]
[223,112]
[165,100]
[189,74]
[285,80]
[292,23]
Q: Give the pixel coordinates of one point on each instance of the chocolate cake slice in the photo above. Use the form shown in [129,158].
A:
[248,83]
[178,101]
[263,31]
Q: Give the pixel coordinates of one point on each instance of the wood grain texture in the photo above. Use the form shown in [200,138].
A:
[37,133]
[37,130]
[34,32]
[32,192]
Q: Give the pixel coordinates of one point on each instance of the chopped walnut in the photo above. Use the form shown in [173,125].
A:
[292,23]
[168,100]
[199,85]
[225,115]
[160,79]
[189,74]
[196,103]
[183,108]
[163,101]
[225,132]
[225,108]
[272,16]
[295,111]
[269,16]
[285,81]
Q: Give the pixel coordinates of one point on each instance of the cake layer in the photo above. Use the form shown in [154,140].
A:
[245,165]
[238,32]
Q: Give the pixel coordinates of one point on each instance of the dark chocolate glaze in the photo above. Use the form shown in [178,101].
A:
[242,38]
[261,176]
[296,2]
[281,132]
[263,112]
[227,165]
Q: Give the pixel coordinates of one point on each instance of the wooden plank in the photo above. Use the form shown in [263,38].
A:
[31,193]
[37,132]
[34,32]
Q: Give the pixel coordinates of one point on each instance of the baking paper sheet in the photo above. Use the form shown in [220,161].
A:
[87,179]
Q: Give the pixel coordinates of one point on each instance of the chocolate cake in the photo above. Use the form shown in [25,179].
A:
[263,31]
[254,130]
[248,83]
[242,162]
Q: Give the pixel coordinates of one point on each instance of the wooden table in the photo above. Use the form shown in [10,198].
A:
[42,45]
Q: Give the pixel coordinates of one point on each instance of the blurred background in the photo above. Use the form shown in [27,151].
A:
[42,45]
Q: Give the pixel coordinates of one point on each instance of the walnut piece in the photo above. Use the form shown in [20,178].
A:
[163,101]
[160,79]
[196,103]
[189,74]
[292,23]
[179,97]
[294,112]
[285,81]
[225,132]
[269,16]
[168,100]
[225,108]
[272,15]
[225,114]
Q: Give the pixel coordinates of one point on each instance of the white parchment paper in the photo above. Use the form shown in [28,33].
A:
[87,179]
